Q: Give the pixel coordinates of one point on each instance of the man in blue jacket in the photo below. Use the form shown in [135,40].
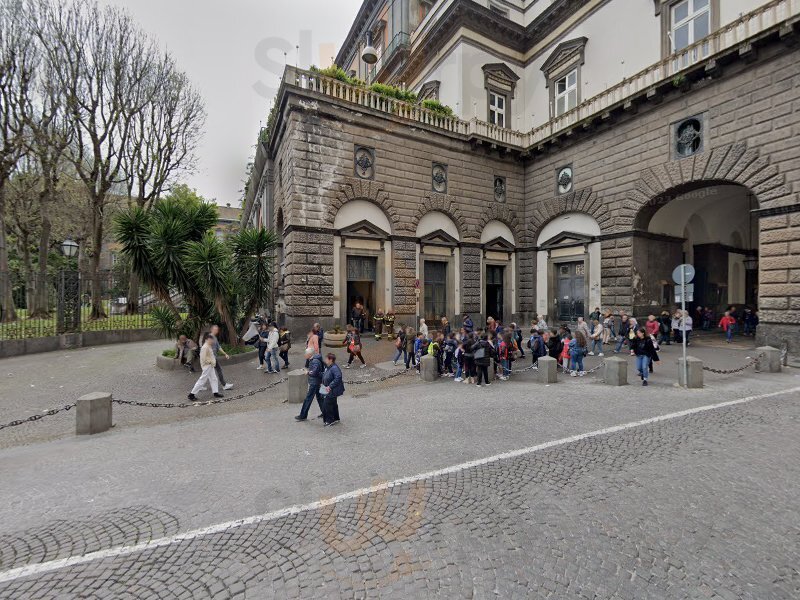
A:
[314,371]
[334,387]
[467,324]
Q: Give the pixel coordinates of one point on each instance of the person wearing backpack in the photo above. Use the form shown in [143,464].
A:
[484,352]
[459,359]
[538,346]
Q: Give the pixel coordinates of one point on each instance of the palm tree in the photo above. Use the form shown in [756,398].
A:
[253,259]
[173,248]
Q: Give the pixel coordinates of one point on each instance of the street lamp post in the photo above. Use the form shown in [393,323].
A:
[68,319]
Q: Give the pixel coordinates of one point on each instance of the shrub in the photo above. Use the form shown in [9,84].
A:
[337,72]
[391,91]
[437,107]
[171,353]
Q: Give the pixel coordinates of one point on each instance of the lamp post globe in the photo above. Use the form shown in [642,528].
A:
[69,248]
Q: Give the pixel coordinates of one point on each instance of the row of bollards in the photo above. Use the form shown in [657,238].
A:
[94,410]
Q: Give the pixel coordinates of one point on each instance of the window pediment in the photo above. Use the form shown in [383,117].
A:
[566,239]
[363,230]
[501,77]
[499,244]
[438,238]
[566,53]
[429,91]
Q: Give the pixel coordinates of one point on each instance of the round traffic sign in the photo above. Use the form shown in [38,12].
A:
[682,271]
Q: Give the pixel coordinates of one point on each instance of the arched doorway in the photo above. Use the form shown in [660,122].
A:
[568,261]
[709,226]
[362,260]
[499,268]
[438,260]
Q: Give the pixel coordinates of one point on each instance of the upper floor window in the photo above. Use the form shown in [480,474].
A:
[684,23]
[500,82]
[691,22]
[497,109]
[566,93]
[562,69]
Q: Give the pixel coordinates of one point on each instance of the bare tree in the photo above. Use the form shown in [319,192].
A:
[162,143]
[50,135]
[104,63]
[17,57]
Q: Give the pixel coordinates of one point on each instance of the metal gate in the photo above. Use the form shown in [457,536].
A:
[570,282]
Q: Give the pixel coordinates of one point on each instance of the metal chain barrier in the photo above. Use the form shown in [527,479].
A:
[203,403]
[42,415]
[589,372]
[752,362]
[379,379]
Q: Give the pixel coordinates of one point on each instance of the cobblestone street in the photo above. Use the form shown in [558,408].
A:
[698,506]
[577,490]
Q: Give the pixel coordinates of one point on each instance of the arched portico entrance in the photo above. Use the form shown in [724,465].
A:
[709,225]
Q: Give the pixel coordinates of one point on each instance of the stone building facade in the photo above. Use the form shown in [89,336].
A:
[400,208]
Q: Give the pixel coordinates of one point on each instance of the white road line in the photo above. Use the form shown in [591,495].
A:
[55,565]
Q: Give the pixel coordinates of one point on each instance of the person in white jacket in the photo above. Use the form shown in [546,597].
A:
[272,349]
[208,362]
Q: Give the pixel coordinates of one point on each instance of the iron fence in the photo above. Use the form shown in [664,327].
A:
[33,305]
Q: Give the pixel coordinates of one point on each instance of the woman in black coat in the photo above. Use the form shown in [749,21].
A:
[645,350]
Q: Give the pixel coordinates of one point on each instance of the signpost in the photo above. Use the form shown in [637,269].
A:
[683,275]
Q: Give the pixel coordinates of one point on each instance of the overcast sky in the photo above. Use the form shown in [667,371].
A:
[233,51]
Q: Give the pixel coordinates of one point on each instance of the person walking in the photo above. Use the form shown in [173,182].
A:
[357,316]
[261,344]
[483,355]
[652,326]
[217,349]
[334,387]
[208,362]
[284,345]
[314,372]
[354,348]
[728,324]
[272,349]
[645,352]
[400,347]
[608,323]
[312,341]
[410,340]
[502,358]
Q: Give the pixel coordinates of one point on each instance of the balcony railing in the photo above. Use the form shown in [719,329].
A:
[731,36]
[399,42]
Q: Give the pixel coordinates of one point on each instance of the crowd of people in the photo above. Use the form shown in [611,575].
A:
[470,354]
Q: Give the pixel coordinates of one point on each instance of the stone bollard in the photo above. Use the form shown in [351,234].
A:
[93,413]
[771,361]
[427,368]
[616,371]
[297,386]
[548,368]
[695,372]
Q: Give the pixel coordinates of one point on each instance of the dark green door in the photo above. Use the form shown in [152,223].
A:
[435,306]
